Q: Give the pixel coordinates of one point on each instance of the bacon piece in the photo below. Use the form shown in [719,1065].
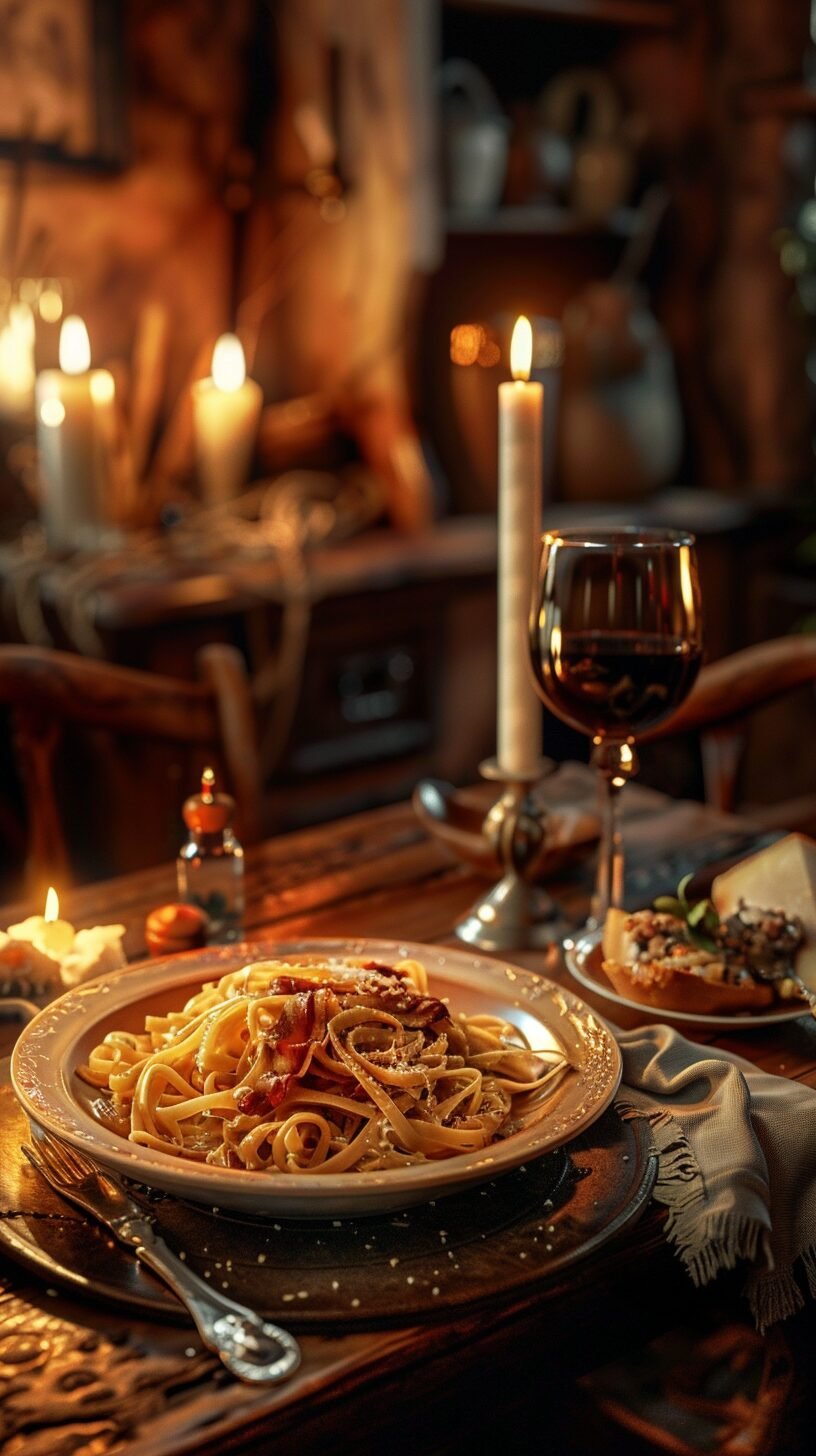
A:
[267,1094]
[413,1011]
[390,971]
[293,1031]
[289,985]
[251,1102]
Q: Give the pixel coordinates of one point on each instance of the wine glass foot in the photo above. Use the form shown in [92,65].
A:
[513,915]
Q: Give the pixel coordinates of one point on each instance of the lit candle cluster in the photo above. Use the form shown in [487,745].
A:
[55,954]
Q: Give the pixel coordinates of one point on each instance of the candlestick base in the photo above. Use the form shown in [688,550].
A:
[515,914]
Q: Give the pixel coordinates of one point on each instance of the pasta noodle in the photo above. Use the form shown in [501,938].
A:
[319,1068]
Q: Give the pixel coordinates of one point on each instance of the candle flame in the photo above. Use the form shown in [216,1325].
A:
[521,348]
[228,363]
[74,346]
[51,905]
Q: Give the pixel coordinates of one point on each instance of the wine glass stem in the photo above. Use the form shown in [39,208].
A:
[614,768]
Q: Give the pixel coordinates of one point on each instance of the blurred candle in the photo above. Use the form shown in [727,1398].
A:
[226,409]
[17,362]
[74,412]
[48,319]
[518,723]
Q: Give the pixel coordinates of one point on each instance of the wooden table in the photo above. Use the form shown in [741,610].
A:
[95,1383]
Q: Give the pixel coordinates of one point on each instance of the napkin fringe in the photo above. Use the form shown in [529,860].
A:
[719,1242]
[808,1258]
[705,1245]
[775,1295]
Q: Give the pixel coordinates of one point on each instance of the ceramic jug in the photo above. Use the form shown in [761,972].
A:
[475,134]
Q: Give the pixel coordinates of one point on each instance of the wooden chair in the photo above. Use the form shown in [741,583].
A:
[47,690]
[725,693]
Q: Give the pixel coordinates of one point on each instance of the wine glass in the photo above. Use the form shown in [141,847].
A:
[615,639]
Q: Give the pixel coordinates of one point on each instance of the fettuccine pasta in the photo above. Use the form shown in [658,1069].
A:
[319,1068]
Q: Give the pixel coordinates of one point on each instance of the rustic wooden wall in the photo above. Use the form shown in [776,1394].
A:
[158,231]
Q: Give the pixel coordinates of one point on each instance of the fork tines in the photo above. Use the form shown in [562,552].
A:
[65,1163]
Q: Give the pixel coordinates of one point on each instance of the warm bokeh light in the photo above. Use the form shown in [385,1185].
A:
[21,320]
[51,905]
[489,354]
[228,363]
[102,387]
[52,412]
[74,346]
[50,305]
[465,342]
[521,348]
[474,344]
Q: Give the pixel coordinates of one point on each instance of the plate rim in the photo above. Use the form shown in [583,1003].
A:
[578,947]
[212,1184]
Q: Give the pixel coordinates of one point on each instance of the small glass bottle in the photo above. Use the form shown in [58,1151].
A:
[210,866]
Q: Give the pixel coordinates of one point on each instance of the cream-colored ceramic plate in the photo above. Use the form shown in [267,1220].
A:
[583,957]
[58,1041]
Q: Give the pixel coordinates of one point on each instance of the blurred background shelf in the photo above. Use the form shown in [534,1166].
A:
[632,171]
[541,221]
[651,14]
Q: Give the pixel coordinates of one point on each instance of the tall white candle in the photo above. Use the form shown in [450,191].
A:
[518,720]
[73,403]
[226,410]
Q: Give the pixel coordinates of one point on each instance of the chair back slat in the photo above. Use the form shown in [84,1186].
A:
[36,740]
[45,690]
[725,693]
[102,695]
[727,690]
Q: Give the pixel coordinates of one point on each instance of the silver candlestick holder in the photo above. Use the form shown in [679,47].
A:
[515,914]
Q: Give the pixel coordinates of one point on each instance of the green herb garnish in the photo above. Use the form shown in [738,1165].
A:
[701,918]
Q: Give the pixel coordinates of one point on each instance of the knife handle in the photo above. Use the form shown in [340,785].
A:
[252,1348]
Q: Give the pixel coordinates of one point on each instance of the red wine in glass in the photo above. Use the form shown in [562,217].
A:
[606,684]
[615,638]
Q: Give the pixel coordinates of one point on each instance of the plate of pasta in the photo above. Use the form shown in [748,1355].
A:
[317,1079]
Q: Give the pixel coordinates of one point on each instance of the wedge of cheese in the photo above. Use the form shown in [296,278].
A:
[782,877]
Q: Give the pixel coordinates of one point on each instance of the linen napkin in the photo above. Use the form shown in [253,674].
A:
[736,1164]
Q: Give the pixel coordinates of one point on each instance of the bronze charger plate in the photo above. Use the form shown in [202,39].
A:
[473,1247]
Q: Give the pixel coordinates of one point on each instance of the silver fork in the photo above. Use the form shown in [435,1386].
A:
[251,1348]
